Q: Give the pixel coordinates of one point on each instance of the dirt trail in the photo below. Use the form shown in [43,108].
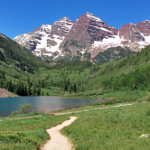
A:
[121,105]
[22,118]
[58,141]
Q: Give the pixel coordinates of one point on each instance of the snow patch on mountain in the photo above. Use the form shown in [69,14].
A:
[46,28]
[43,42]
[57,40]
[147,39]
[22,39]
[92,17]
[108,42]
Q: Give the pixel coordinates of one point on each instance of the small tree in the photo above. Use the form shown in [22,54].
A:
[24,109]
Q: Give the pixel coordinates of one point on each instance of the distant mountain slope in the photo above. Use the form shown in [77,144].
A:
[13,54]
[114,53]
[83,39]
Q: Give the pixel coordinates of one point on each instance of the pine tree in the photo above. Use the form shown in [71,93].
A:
[34,90]
[75,88]
[10,86]
[39,91]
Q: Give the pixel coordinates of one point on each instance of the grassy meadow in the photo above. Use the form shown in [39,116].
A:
[28,133]
[111,129]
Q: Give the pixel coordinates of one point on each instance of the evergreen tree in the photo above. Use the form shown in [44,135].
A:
[39,91]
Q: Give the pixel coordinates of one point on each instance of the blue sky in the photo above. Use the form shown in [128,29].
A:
[21,16]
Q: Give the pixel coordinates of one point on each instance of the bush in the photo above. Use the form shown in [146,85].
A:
[24,109]
[110,101]
[14,113]
[30,140]
[17,137]
[147,98]
[11,137]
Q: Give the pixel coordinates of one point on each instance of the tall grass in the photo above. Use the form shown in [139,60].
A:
[111,129]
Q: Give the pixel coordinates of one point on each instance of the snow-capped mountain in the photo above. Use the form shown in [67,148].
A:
[46,39]
[84,39]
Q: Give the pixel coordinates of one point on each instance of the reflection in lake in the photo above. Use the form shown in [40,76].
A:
[39,104]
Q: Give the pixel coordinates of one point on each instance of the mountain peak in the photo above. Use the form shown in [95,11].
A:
[93,17]
[45,26]
[64,19]
[131,23]
[147,21]
[90,14]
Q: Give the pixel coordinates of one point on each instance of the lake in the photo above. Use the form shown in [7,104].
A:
[39,104]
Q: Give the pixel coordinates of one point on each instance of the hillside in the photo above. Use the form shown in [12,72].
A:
[16,65]
[113,53]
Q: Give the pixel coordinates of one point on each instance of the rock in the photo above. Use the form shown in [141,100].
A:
[144,136]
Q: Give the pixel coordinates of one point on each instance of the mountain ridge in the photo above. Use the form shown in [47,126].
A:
[87,35]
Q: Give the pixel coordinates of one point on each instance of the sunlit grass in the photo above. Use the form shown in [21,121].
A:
[111,129]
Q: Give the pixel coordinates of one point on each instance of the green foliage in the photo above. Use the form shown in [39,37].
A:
[114,53]
[24,109]
[14,113]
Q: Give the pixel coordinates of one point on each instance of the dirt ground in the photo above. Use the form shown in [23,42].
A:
[5,93]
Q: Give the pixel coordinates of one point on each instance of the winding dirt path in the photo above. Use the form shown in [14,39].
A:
[58,141]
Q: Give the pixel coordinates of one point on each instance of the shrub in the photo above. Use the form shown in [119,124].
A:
[11,137]
[108,101]
[14,113]
[30,140]
[24,109]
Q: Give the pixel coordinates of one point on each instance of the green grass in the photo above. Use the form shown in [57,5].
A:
[27,134]
[111,129]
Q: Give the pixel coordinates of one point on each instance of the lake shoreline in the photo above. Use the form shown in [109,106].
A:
[42,104]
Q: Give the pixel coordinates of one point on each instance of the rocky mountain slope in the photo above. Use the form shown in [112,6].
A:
[84,39]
